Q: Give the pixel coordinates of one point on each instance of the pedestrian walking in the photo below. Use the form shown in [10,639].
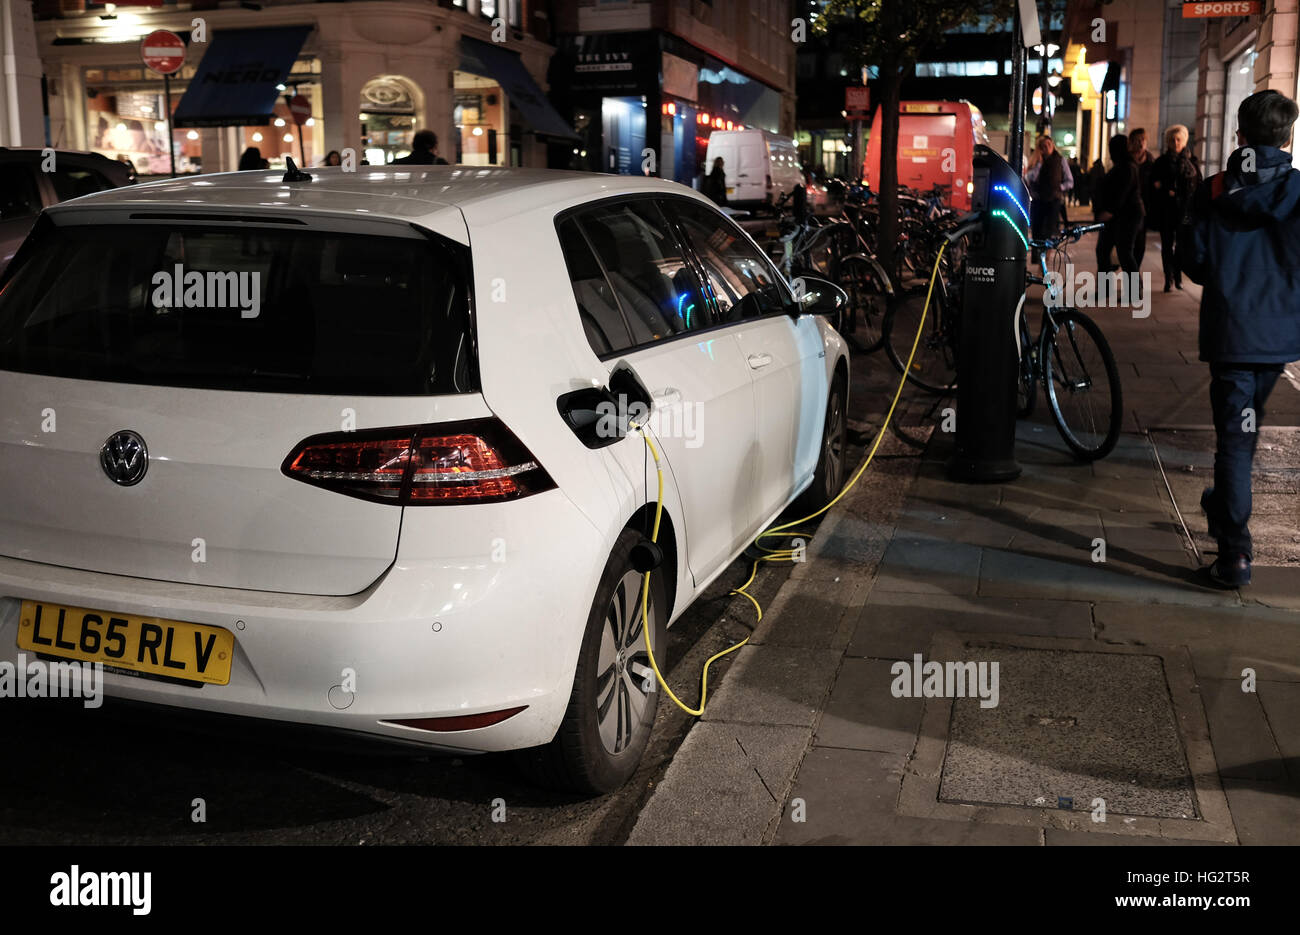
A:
[1174,178]
[1046,176]
[424,151]
[1077,184]
[714,186]
[1118,203]
[1244,250]
[1142,158]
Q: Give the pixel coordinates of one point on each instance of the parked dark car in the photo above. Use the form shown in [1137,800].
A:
[26,190]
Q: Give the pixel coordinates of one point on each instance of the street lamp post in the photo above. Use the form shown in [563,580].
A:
[1016,147]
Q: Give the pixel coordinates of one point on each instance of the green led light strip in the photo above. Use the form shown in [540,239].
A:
[999,213]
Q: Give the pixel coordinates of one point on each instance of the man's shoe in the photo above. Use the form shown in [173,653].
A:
[1228,571]
[1168,287]
[1178,284]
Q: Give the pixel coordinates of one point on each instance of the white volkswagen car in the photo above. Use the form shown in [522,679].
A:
[352,450]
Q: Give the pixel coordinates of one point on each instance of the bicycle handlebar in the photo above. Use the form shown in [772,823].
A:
[1070,234]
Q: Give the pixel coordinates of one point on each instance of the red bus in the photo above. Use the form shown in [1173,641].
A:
[936,143]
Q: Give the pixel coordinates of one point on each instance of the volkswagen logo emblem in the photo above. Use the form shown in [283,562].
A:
[124,458]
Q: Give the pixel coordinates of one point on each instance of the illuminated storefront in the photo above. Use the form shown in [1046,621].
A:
[619,85]
[371,81]
[388,115]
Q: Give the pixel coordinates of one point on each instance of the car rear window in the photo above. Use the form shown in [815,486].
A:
[241,308]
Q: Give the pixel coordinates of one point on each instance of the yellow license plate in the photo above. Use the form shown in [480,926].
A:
[191,652]
[731,189]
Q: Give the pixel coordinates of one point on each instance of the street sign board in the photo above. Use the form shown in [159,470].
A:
[857,102]
[163,51]
[1029,28]
[1196,9]
[300,109]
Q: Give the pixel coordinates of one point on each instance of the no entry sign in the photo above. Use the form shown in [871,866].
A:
[300,109]
[857,101]
[163,51]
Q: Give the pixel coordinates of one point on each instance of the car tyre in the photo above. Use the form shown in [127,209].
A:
[610,715]
[829,478]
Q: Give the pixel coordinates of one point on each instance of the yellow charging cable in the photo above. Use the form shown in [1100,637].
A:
[774,555]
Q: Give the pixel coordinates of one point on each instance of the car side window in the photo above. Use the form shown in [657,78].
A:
[645,264]
[75,182]
[19,196]
[741,281]
[602,320]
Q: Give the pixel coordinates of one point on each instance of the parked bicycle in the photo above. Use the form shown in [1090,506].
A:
[1071,358]
[834,249]
[934,364]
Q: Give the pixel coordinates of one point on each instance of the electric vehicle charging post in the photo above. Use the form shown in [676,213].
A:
[993,287]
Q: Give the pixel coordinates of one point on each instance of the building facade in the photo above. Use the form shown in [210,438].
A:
[1240,55]
[662,75]
[372,72]
[1157,63]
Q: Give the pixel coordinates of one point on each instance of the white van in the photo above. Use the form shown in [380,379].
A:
[760,166]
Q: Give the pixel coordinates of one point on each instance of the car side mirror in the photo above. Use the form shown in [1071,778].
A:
[816,296]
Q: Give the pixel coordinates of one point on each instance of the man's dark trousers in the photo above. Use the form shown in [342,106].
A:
[1234,389]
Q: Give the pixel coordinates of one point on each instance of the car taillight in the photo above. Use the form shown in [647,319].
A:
[769,181]
[474,461]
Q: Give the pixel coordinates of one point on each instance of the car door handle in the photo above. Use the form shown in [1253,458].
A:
[666,397]
[759,361]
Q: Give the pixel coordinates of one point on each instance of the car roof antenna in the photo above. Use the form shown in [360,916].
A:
[292,173]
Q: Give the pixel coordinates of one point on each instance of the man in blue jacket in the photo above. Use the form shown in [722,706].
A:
[1245,253]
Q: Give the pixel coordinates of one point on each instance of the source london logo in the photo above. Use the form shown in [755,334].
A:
[78,888]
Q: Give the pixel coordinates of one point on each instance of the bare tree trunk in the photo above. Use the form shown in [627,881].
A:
[891,86]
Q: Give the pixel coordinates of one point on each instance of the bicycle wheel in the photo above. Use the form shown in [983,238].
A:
[836,241]
[868,293]
[934,365]
[1082,383]
[1027,385]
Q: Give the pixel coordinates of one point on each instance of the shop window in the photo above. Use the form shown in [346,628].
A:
[387,119]
[478,113]
[132,126]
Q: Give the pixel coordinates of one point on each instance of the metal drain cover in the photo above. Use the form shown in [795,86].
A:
[1069,728]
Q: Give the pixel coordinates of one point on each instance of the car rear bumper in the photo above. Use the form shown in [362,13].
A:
[482,610]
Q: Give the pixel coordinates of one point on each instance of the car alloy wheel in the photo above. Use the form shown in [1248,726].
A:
[624,678]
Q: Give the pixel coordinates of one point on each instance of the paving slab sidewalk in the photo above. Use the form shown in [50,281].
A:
[805,742]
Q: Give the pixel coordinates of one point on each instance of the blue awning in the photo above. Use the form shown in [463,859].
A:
[507,69]
[235,84]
